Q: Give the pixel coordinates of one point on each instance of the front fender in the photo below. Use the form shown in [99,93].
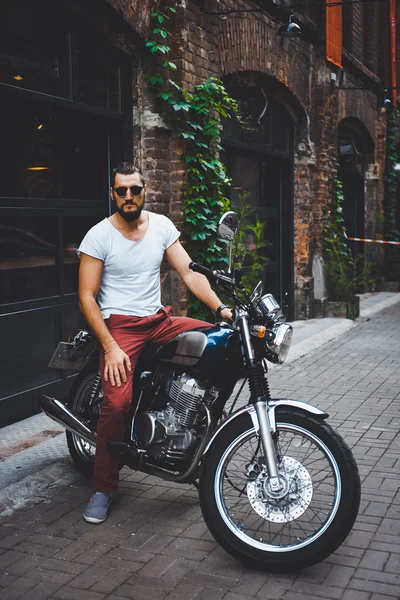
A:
[273,405]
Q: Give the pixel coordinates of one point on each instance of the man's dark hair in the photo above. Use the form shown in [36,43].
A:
[125,168]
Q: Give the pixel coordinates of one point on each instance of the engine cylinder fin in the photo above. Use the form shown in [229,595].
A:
[183,404]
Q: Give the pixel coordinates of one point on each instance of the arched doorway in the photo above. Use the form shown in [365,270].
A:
[355,153]
[259,158]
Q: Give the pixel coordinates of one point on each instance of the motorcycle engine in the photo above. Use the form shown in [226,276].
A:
[170,436]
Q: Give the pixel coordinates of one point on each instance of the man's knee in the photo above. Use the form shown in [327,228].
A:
[117,399]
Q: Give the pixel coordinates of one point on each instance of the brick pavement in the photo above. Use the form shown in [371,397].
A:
[155,544]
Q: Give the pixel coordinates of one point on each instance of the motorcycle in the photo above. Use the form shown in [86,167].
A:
[279,489]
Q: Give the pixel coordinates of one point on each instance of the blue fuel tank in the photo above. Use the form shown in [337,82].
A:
[204,351]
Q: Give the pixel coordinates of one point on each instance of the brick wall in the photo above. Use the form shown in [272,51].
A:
[295,73]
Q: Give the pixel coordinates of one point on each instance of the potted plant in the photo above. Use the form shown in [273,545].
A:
[341,280]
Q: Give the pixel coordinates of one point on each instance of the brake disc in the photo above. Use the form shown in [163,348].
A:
[294,499]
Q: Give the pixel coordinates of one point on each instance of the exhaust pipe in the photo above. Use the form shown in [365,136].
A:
[57,411]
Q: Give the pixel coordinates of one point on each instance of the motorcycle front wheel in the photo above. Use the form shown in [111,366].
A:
[307,519]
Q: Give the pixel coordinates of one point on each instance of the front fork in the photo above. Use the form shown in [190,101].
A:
[259,398]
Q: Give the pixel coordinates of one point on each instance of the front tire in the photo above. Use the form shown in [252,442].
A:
[311,516]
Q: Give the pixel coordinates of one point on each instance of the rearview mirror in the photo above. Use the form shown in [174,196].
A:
[228,226]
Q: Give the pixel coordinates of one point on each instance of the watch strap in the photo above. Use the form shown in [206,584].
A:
[220,309]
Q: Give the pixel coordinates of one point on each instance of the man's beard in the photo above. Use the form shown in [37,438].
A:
[129,215]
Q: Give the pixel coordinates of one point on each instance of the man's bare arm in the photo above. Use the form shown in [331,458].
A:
[90,273]
[197,283]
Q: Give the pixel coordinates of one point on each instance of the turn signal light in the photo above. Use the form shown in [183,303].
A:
[259,331]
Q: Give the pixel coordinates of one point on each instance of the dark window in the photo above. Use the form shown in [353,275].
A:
[98,74]
[33,51]
[24,363]
[74,230]
[28,256]
[265,124]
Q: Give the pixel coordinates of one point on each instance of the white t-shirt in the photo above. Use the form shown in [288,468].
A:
[130,283]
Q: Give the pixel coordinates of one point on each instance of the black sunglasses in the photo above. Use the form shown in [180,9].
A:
[136,190]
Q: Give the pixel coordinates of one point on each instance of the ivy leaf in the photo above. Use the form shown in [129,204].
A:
[161,32]
[171,65]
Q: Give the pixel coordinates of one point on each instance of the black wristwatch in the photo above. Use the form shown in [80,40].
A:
[219,310]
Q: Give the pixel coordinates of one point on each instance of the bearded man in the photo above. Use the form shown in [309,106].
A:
[120,298]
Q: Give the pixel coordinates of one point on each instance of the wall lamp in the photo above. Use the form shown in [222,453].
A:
[290,29]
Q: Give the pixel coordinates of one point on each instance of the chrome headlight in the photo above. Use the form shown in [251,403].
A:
[269,306]
[277,348]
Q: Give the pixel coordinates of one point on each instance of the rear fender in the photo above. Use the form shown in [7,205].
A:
[273,405]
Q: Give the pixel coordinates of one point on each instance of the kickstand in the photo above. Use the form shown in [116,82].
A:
[196,484]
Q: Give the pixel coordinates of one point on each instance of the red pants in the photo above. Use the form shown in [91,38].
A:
[131,334]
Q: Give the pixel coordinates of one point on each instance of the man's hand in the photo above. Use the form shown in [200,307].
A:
[226,314]
[115,362]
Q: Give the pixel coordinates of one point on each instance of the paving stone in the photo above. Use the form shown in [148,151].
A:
[339,576]
[373,586]
[6,579]
[63,566]
[137,593]
[43,590]
[24,565]
[312,589]
[168,567]
[250,583]
[355,595]
[68,593]
[88,577]
[19,588]
[111,580]
[373,559]
[14,538]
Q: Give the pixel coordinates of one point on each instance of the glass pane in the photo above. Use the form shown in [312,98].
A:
[75,230]
[29,340]
[33,50]
[82,156]
[28,257]
[27,168]
[52,153]
[245,173]
[99,74]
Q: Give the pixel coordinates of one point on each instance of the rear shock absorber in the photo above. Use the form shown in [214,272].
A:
[95,392]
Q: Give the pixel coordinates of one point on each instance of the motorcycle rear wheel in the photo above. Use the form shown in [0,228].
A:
[303,524]
[83,453]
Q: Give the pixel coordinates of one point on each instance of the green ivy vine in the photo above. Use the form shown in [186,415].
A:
[338,262]
[392,257]
[196,119]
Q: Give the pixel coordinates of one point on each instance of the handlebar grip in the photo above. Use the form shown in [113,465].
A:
[200,269]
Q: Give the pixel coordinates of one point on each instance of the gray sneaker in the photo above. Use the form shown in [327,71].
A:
[97,508]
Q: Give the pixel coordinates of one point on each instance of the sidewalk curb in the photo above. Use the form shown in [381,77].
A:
[379,307]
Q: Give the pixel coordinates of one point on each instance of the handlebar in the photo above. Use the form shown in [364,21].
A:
[215,276]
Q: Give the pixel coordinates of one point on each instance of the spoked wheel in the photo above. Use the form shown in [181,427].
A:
[303,522]
[86,395]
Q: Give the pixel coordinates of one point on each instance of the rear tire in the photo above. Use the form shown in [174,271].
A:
[83,453]
[311,518]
